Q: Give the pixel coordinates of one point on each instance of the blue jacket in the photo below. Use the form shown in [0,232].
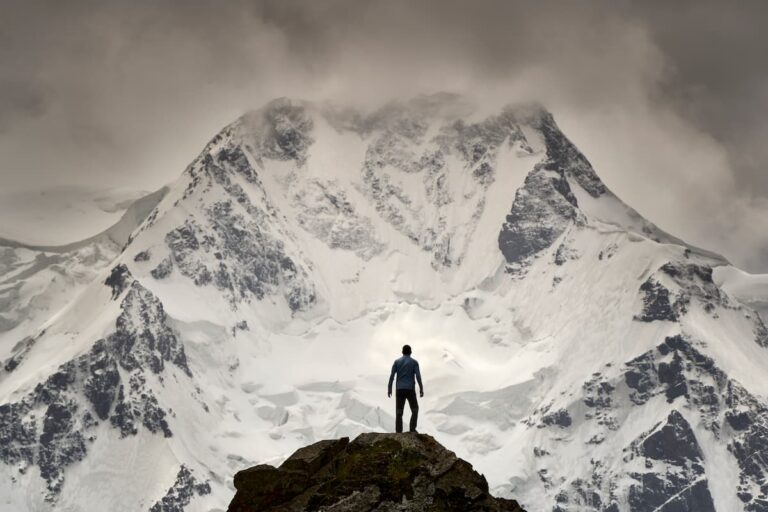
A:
[406,369]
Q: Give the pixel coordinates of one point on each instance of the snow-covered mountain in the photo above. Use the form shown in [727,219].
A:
[577,355]
[37,281]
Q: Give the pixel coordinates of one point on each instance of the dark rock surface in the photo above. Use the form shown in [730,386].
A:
[53,425]
[668,460]
[181,493]
[669,292]
[545,205]
[656,303]
[683,486]
[381,472]
[237,247]
[118,279]
[542,209]
[561,418]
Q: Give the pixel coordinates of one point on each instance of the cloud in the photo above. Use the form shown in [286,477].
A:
[667,99]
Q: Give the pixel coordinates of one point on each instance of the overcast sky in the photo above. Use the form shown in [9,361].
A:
[668,99]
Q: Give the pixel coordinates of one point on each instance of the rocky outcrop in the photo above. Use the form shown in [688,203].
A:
[382,472]
[674,479]
[236,246]
[181,493]
[53,425]
[663,469]
[545,205]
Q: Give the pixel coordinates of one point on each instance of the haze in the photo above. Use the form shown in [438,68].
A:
[669,100]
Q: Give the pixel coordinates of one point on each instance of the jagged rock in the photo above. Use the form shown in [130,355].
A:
[678,482]
[181,493]
[689,281]
[656,303]
[163,269]
[565,158]
[91,387]
[564,253]
[102,381]
[382,472]
[545,205]
[674,479]
[233,247]
[142,256]
[542,209]
[325,211]
[287,132]
[149,343]
[118,279]
[559,418]
[402,146]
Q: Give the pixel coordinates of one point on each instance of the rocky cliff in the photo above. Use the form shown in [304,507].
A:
[381,472]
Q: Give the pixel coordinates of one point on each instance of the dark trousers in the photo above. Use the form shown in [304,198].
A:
[401,395]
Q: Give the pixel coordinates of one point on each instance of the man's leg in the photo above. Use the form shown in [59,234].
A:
[399,406]
[414,408]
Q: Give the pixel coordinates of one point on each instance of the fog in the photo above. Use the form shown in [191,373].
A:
[669,100]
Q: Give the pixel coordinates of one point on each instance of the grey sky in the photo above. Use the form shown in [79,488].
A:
[669,100]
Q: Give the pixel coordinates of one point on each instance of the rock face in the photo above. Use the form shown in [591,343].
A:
[381,472]
[107,384]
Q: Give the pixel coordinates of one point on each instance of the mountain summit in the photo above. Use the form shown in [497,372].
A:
[581,357]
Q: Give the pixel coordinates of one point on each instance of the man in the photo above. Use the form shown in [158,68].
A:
[406,369]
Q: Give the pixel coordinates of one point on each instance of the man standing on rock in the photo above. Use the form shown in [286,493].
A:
[406,368]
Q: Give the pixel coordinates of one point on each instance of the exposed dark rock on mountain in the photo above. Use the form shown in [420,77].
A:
[674,447]
[181,492]
[233,247]
[382,472]
[656,303]
[546,194]
[53,426]
[674,478]
[542,197]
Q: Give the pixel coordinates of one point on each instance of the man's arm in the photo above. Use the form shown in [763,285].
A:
[418,379]
[391,378]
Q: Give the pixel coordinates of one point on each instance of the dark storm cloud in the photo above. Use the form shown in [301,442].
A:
[668,99]
[719,76]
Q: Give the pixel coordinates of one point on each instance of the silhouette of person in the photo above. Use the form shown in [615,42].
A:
[406,368]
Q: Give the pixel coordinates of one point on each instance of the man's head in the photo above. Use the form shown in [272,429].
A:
[406,350]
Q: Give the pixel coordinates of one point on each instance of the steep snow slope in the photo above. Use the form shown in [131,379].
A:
[38,281]
[579,356]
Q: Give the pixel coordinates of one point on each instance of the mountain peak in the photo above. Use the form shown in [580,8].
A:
[424,180]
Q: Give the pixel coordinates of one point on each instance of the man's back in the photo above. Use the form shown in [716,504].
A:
[407,370]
